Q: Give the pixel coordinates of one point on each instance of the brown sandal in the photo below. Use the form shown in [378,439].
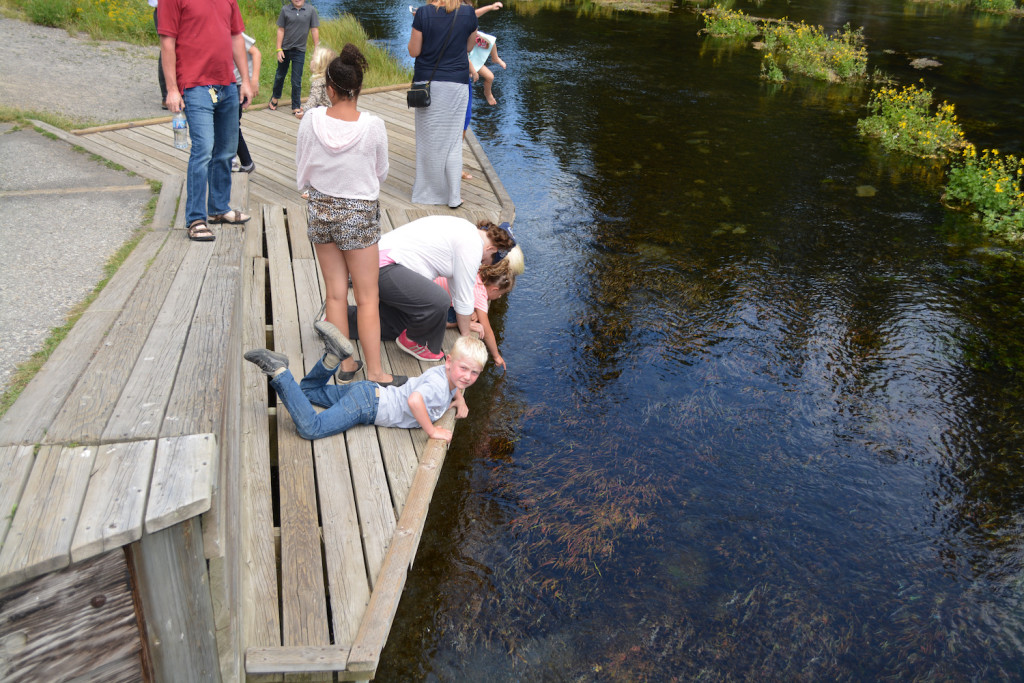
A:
[232,217]
[198,231]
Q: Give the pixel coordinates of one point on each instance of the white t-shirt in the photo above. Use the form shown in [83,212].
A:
[439,246]
[393,405]
[249,42]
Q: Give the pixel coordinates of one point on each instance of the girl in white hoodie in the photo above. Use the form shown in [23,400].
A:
[342,156]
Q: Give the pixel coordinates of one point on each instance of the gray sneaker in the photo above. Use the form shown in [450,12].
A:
[334,341]
[268,361]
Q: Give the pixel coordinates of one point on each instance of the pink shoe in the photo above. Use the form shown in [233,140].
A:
[417,350]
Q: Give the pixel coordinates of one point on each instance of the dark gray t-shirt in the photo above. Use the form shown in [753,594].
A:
[296,23]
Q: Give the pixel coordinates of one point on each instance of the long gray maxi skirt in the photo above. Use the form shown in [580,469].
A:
[439,145]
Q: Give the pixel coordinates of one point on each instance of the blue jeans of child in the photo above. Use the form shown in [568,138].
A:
[347,405]
[213,128]
[295,58]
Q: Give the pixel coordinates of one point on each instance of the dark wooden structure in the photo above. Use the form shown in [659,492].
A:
[159,501]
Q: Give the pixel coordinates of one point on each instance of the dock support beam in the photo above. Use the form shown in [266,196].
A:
[174,590]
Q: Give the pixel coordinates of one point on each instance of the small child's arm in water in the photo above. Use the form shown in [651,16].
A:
[419,411]
[459,403]
[488,336]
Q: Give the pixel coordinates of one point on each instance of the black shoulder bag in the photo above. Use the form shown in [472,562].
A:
[419,93]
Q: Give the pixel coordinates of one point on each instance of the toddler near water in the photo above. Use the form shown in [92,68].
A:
[417,403]
[322,57]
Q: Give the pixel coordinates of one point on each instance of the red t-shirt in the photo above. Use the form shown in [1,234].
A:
[202,31]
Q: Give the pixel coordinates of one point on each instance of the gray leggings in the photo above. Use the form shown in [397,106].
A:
[410,302]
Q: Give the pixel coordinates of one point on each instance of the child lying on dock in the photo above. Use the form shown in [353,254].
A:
[417,403]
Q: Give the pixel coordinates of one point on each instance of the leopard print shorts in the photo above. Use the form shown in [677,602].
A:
[349,223]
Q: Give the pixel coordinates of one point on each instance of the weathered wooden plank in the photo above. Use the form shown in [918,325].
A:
[253,247]
[183,476]
[343,552]
[76,624]
[380,613]
[197,398]
[260,623]
[115,500]
[400,462]
[239,199]
[373,498]
[265,660]
[508,208]
[162,155]
[140,410]
[84,414]
[28,419]
[167,203]
[304,612]
[15,465]
[40,537]
[179,632]
[105,149]
[298,235]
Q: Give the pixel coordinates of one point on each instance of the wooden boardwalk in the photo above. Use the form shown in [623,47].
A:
[146,417]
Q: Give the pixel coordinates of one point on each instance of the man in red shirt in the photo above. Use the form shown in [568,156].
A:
[200,43]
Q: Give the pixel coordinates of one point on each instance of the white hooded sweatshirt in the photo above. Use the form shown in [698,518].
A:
[341,158]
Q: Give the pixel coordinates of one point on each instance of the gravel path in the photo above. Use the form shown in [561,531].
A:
[48,70]
[64,214]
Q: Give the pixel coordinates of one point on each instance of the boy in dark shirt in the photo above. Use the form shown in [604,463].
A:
[294,24]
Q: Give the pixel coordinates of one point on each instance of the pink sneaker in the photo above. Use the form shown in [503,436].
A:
[417,350]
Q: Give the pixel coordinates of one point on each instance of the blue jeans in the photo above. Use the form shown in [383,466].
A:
[347,405]
[214,132]
[295,58]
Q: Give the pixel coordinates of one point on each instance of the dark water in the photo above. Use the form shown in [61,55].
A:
[755,426]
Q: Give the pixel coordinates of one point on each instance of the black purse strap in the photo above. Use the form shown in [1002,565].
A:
[446,39]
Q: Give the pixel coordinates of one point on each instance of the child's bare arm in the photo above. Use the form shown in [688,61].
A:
[459,403]
[254,77]
[487,8]
[419,411]
[489,341]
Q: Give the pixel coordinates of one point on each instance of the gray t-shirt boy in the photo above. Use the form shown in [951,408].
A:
[393,405]
[297,22]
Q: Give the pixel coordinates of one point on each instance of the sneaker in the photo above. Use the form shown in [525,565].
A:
[248,168]
[268,361]
[334,341]
[418,350]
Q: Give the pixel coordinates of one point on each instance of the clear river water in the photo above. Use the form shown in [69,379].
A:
[762,418]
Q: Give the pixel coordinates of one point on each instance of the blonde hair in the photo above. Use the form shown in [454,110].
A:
[471,349]
[448,5]
[322,56]
[516,261]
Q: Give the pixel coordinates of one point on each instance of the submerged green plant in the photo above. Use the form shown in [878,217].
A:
[723,23]
[989,183]
[904,122]
[809,51]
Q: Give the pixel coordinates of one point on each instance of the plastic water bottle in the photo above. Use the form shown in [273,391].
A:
[180,125]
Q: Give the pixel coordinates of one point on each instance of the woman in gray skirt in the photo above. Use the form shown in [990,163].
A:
[442,34]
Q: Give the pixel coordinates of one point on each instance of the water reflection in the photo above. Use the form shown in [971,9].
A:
[758,422]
